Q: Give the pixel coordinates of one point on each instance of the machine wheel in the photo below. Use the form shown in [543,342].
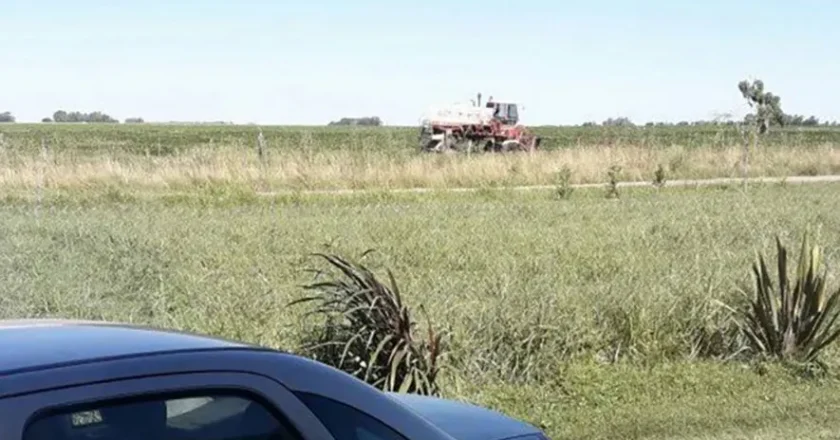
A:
[428,143]
[425,141]
[511,145]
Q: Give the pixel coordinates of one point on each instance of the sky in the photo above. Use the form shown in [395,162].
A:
[310,62]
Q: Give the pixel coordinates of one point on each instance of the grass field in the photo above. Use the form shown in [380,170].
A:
[157,157]
[163,139]
[585,315]
[580,314]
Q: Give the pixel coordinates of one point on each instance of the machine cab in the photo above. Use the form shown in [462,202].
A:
[507,113]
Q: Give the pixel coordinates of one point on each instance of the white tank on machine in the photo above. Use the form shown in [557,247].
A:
[457,114]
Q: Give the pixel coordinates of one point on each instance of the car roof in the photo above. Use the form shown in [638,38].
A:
[33,344]
[465,421]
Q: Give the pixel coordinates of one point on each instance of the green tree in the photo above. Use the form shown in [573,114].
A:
[369,121]
[768,111]
[618,122]
[61,116]
[95,117]
[812,121]
[7,117]
[767,106]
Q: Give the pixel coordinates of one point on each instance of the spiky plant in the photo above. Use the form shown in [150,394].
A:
[791,322]
[369,333]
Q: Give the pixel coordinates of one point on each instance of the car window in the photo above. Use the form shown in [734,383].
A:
[347,423]
[202,417]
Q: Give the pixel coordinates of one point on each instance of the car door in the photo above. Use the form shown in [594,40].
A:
[196,406]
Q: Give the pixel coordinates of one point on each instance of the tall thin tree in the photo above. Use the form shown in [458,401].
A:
[768,110]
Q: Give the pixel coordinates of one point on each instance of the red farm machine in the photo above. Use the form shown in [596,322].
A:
[493,127]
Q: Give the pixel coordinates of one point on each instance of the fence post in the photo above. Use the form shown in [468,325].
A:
[260,146]
[41,170]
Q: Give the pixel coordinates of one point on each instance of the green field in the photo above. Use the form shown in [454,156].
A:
[166,158]
[596,318]
[579,314]
[163,139]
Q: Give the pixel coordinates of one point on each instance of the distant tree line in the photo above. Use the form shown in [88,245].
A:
[787,120]
[766,105]
[372,121]
[63,116]
[94,117]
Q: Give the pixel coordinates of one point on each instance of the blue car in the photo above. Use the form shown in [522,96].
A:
[76,380]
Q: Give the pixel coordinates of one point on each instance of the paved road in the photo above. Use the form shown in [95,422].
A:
[669,183]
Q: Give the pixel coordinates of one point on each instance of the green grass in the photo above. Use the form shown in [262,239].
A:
[581,314]
[671,401]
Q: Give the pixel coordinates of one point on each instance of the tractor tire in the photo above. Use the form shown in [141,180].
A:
[511,145]
[426,143]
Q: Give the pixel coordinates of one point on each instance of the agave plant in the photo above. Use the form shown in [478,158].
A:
[369,333]
[791,323]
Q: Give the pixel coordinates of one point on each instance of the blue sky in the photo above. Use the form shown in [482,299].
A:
[286,62]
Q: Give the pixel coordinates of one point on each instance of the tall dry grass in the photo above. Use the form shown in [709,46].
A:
[312,169]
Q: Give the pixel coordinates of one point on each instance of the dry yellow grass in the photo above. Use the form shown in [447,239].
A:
[346,170]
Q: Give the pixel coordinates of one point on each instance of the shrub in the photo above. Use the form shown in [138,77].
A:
[369,333]
[612,185]
[659,177]
[791,323]
[564,187]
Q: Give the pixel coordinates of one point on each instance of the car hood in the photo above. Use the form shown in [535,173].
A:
[464,421]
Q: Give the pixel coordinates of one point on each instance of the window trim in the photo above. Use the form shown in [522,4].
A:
[23,410]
